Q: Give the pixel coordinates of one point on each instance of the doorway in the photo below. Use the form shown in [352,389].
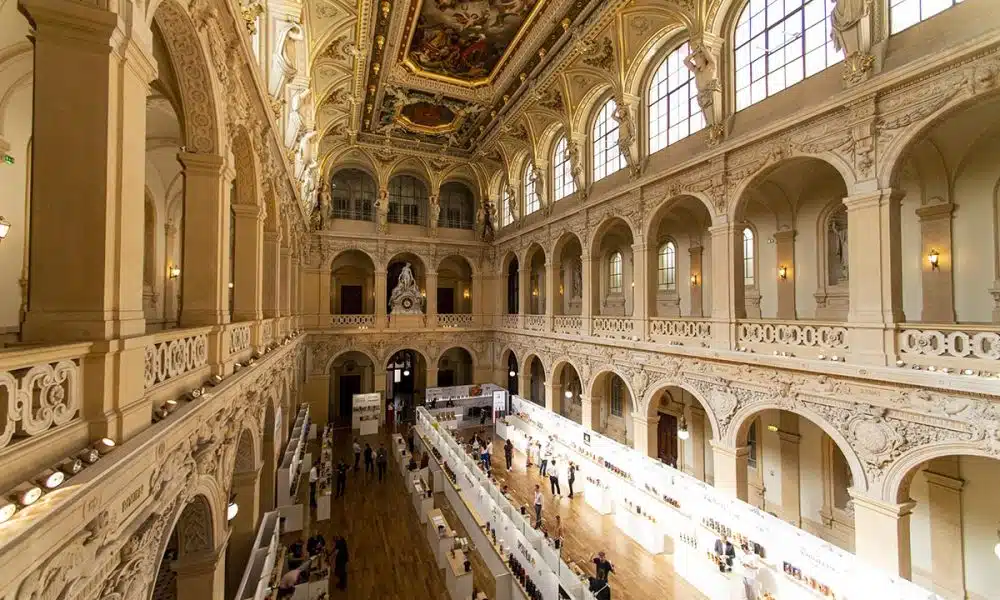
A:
[446,378]
[446,301]
[352,300]
[666,439]
[349,385]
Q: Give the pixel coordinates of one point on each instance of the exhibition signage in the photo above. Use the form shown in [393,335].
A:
[367,412]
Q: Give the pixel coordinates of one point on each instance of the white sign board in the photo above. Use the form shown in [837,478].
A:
[367,412]
[499,402]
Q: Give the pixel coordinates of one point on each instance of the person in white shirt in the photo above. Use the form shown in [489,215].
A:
[546,457]
[357,454]
[488,456]
[538,506]
[313,478]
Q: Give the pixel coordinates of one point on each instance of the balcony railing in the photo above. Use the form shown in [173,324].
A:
[267,331]
[510,321]
[955,346]
[363,213]
[572,324]
[352,321]
[774,336]
[534,322]
[614,327]
[40,389]
[173,353]
[454,320]
[239,337]
[678,330]
[454,222]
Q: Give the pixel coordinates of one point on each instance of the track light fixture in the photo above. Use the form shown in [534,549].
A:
[104,445]
[7,509]
[50,479]
[89,456]
[26,494]
[71,466]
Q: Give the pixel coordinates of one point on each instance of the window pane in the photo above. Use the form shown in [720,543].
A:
[607,157]
[904,13]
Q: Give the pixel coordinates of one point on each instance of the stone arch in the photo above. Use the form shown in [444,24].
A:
[202,115]
[247,169]
[560,242]
[590,102]
[602,228]
[364,251]
[198,518]
[894,487]
[392,350]
[353,348]
[734,433]
[739,196]
[472,267]
[352,158]
[648,406]
[604,370]
[525,365]
[413,167]
[463,346]
[424,261]
[654,51]
[657,211]
[246,457]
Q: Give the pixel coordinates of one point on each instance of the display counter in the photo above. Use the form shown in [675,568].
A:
[598,496]
[259,575]
[423,498]
[458,579]
[439,535]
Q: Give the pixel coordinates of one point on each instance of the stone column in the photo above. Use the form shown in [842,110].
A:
[553,398]
[696,281]
[272,277]
[876,301]
[784,243]
[315,306]
[381,376]
[381,298]
[728,302]
[645,432]
[432,294]
[788,452]
[642,290]
[202,575]
[248,278]
[296,304]
[86,242]
[944,496]
[938,289]
[551,275]
[524,384]
[591,414]
[285,282]
[696,427]
[246,490]
[882,533]
[730,470]
[478,290]
[587,304]
[432,376]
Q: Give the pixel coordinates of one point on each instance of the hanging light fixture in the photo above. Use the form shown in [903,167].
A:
[568,394]
[512,373]
[406,372]
[682,429]
[4,228]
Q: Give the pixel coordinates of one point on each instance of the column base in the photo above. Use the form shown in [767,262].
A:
[81,326]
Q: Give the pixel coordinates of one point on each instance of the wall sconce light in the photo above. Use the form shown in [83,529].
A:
[230,285]
[682,429]
[772,428]
[534,292]
[4,228]
[512,373]
[694,279]
[568,394]
[933,258]
[783,272]
[466,294]
[423,293]
[560,289]
[173,271]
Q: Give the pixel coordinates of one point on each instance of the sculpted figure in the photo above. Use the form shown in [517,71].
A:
[285,60]
[576,166]
[382,211]
[845,15]
[626,135]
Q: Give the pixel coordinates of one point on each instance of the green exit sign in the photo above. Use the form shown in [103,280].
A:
[7,158]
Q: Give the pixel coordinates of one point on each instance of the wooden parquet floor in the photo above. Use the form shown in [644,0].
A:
[391,560]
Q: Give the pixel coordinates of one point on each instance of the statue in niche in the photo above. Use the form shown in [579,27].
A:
[845,15]
[576,167]
[837,244]
[511,203]
[577,289]
[705,69]
[435,211]
[488,216]
[406,298]
[626,135]
[382,211]
[300,117]
[284,63]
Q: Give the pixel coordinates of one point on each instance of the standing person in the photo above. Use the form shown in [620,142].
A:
[380,460]
[341,479]
[340,559]
[538,506]
[369,460]
[571,477]
[603,566]
[411,439]
[488,456]
[527,452]
[508,453]
[357,454]
[554,479]
[313,478]
[557,533]
[546,457]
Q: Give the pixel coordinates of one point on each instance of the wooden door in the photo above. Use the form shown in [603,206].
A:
[666,439]
[352,300]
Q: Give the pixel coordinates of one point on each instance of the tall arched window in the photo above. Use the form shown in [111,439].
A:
[562,172]
[607,157]
[352,193]
[905,13]
[615,272]
[457,206]
[531,203]
[617,397]
[778,45]
[674,113]
[407,200]
[667,266]
[748,256]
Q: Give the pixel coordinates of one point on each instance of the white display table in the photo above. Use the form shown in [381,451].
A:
[440,545]
[647,534]
[457,579]
[598,497]
[323,507]
[421,502]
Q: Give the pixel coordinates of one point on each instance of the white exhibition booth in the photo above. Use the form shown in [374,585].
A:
[294,462]
[668,511]
[455,407]
[366,413]
[261,568]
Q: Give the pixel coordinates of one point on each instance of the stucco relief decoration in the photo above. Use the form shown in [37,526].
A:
[724,402]
[600,54]
[39,398]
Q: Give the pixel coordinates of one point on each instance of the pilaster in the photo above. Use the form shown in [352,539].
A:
[248,278]
[882,533]
[938,291]
[728,303]
[272,276]
[285,283]
[944,499]
[204,282]
[645,434]
[730,470]
[642,291]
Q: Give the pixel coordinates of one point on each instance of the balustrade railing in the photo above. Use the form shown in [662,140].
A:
[40,389]
[510,321]
[267,331]
[173,353]
[671,330]
[239,337]
[614,327]
[568,324]
[534,322]
[454,320]
[352,321]
[949,345]
[821,338]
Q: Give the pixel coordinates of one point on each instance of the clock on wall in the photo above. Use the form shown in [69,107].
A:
[407,303]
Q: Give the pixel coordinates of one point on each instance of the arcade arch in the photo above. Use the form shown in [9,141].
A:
[351,372]
[407,377]
[612,291]
[352,284]
[567,391]
[611,407]
[455,367]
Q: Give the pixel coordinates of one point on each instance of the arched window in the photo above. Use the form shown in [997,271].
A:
[748,256]
[530,196]
[667,266]
[607,157]
[905,13]
[506,199]
[352,193]
[407,200]
[617,397]
[457,206]
[615,272]
[674,113]
[778,45]
[562,172]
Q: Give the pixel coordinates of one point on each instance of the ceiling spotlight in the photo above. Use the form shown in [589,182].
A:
[232,510]
[104,445]
[50,479]
[7,510]
[71,466]
[27,494]
[89,455]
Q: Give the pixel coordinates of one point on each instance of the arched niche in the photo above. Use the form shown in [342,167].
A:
[394,269]
[612,290]
[455,366]
[187,569]
[454,285]
[511,370]
[680,429]
[567,391]
[534,260]
[512,284]
[243,496]
[612,407]
[536,379]
[678,258]
[406,373]
[568,260]
[352,284]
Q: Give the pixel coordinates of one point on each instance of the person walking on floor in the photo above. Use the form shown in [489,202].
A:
[487,455]
[557,533]
[508,453]
[340,559]
[381,461]
[538,506]
[341,478]
[313,479]
[554,479]
[357,454]
[369,460]
[546,457]
[571,477]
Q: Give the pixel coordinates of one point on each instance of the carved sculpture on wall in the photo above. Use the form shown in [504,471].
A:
[576,167]
[406,298]
[382,211]
[704,64]
[626,135]
[851,32]
[284,63]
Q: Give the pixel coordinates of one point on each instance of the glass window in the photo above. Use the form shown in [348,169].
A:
[617,397]
[530,197]
[352,193]
[748,256]
[456,203]
[607,157]
[407,200]
[667,266]
[615,272]
[562,172]
[752,445]
[674,113]
[904,13]
[778,44]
